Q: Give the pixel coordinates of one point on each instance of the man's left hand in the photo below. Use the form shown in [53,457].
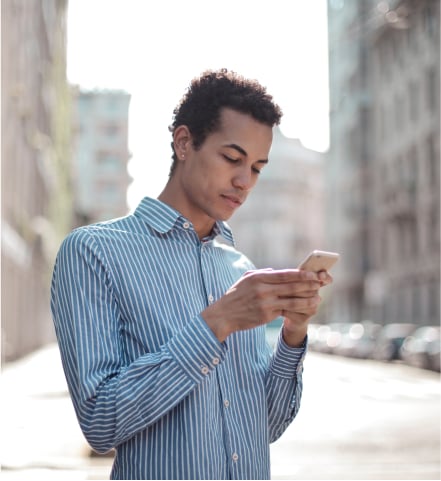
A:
[295,324]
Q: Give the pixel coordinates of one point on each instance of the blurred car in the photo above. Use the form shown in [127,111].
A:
[328,336]
[272,332]
[422,348]
[390,340]
[360,340]
[338,331]
[434,351]
[319,335]
[272,335]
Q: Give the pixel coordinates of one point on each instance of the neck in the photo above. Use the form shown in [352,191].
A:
[172,195]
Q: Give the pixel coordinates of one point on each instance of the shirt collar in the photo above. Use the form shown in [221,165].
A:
[163,218]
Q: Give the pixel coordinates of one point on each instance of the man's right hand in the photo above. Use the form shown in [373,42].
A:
[260,296]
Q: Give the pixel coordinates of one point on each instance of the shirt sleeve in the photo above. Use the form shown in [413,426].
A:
[113,400]
[284,386]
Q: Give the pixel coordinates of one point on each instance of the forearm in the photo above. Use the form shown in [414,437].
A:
[113,405]
[284,387]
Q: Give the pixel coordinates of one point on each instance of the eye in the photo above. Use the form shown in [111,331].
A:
[230,159]
[256,170]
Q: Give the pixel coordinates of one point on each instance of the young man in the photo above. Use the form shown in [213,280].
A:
[161,326]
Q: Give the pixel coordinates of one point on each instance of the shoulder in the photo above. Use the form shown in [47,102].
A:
[91,237]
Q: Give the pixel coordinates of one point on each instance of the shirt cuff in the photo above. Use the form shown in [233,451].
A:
[287,361]
[196,349]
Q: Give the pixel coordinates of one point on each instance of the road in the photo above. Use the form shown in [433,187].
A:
[358,420]
[362,420]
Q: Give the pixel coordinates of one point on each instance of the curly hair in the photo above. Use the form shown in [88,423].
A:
[200,107]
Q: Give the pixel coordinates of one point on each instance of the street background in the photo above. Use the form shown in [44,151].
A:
[88,91]
[359,420]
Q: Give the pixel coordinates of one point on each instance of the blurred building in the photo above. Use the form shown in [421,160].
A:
[282,220]
[35,197]
[101,155]
[383,178]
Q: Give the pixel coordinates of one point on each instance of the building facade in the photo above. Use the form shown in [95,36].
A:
[35,193]
[100,154]
[282,219]
[383,164]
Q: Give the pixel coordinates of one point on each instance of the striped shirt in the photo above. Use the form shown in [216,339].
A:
[146,374]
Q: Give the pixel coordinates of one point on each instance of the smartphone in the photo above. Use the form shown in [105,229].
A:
[318,261]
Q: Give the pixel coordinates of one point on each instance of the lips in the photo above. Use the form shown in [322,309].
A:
[233,200]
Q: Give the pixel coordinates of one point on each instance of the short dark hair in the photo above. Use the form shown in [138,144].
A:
[200,107]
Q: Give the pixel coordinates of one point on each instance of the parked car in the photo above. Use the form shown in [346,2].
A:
[272,332]
[422,348]
[319,335]
[390,340]
[435,355]
[329,336]
[360,340]
[313,330]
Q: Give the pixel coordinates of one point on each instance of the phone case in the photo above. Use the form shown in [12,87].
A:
[319,261]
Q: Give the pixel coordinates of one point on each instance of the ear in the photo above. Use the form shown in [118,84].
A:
[181,141]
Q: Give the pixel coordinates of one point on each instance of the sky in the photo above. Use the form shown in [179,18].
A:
[152,50]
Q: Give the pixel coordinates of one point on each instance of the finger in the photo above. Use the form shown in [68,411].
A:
[256,271]
[300,304]
[299,289]
[304,294]
[285,276]
[325,278]
[294,318]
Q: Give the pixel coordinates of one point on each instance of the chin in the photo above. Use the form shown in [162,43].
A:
[222,213]
[226,216]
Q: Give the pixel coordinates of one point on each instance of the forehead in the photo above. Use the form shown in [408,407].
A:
[242,129]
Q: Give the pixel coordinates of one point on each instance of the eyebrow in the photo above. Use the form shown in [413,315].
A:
[244,152]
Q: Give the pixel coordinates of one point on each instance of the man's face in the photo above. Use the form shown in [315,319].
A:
[217,178]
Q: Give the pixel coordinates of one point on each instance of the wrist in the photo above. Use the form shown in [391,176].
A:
[294,337]
[216,323]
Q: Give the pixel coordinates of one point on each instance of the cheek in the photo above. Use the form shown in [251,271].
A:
[208,173]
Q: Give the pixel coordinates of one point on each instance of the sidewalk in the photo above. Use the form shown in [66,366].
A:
[360,432]
[40,437]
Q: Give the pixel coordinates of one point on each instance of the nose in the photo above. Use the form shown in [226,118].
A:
[243,179]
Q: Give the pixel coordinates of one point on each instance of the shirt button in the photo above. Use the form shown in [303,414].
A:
[186,225]
[216,361]
[205,370]
[235,457]
[226,403]
[210,298]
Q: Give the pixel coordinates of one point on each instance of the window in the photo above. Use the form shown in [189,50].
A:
[430,20]
[413,101]
[107,160]
[432,90]
[111,130]
[399,113]
[433,162]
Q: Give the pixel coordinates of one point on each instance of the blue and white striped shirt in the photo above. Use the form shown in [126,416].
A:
[146,374]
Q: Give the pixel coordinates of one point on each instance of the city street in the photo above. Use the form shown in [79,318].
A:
[362,420]
[359,420]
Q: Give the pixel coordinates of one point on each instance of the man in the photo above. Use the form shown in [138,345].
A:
[161,326]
